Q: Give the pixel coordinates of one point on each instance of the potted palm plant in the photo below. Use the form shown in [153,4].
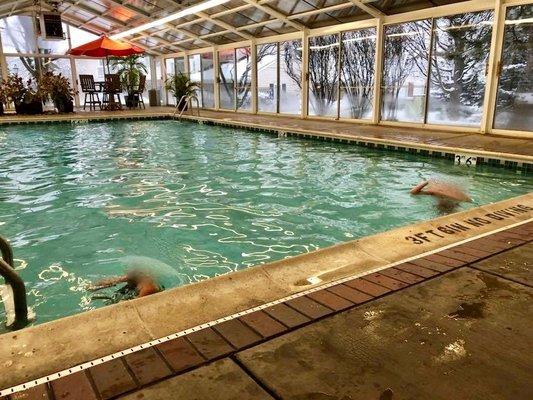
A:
[181,85]
[130,69]
[57,88]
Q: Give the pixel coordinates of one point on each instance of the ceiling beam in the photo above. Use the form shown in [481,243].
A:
[368,9]
[147,15]
[115,22]
[276,14]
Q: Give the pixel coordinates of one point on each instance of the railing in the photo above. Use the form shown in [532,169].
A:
[186,100]
[16,283]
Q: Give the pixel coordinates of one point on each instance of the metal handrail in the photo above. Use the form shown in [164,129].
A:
[187,100]
[16,283]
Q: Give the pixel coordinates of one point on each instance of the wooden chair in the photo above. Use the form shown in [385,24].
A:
[89,89]
[140,90]
[112,88]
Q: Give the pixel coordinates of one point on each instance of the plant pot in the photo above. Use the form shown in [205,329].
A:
[132,101]
[183,106]
[1,108]
[33,108]
[64,105]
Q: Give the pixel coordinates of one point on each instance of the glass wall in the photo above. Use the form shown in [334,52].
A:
[226,60]
[279,77]
[323,75]
[357,73]
[195,74]
[405,71]
[243,86]
[267,77]
[290,77]
[514,104]
[460,51]
[208,80]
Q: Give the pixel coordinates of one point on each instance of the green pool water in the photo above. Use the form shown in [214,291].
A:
[84,202]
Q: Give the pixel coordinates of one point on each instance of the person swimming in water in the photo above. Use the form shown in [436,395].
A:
[138,284]
[449,196]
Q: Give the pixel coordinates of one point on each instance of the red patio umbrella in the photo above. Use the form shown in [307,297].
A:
[106,47]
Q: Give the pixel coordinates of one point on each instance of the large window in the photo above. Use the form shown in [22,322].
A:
[514,105]
[323,75]
[279,77]
[267,77]
[195,74]
[226,60]
[461,47]
[243,87]
[357,73]
[18,35]
[290,77]
[405,70]
[208,80]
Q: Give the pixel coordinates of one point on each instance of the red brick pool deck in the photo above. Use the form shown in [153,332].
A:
[446,325]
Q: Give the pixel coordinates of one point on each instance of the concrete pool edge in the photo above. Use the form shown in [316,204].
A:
[44,349]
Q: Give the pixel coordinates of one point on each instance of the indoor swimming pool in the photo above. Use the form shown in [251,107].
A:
[82,202]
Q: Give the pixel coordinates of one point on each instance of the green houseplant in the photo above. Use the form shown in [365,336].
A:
[130,69]
[26,97]
[57,88]
[181,85]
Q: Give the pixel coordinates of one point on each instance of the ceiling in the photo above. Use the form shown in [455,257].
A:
[233,21]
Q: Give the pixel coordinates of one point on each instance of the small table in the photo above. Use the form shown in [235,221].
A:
[111,104]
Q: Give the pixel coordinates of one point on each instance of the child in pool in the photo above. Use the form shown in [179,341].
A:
[449,196]
[139,282]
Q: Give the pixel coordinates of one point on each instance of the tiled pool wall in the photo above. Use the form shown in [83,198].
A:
[519,166]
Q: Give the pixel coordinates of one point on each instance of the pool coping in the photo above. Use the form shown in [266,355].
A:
[497,159]
[56,345]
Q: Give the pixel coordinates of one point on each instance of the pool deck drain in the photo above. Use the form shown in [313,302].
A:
[515,153]
[134,368]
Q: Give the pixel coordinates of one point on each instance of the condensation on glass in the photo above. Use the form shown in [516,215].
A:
[323,75]
[290,77]
[226,65]
[514,103]
[195,74]
[243,83]
[460,52]
[208,80]
[357,73]
[405,71]
[267,77]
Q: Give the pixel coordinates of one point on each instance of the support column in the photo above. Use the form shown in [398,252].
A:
[164,78]
[305,74]
[492,72]
[378,71]
[217,78]
[3,62]
[253,49]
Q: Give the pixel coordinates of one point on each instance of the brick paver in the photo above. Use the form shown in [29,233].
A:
[112,378]
[368,287]
[147,366]
[287,315]
[353,295]
[238,334]
[180,354]
[209,343]
[385,281]
[330,300]
[74,387]
[263,324]
[308,307]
